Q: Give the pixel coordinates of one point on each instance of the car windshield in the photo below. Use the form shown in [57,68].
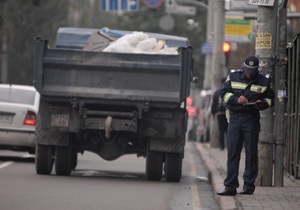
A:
[17,96]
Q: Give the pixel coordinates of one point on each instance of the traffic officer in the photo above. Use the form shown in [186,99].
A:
[245,92]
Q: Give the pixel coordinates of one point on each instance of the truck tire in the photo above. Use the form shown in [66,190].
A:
[173,167]
[154,162]
[43,153]
[63,160]
[43,159]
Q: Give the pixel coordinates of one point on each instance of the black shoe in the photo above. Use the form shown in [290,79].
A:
[227,192]
[247,192]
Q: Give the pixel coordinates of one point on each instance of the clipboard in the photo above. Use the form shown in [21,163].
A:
[254,103]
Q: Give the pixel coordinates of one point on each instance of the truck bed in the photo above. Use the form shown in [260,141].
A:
[112,76]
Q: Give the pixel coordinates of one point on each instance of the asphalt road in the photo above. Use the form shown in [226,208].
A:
[99,184]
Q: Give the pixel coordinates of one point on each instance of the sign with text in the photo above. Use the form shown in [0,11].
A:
[237,30]
[237,27]
[119,5]
[242,5]
[269,3]
[263,41]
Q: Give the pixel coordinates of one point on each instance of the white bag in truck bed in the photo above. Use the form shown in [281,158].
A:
[138,42]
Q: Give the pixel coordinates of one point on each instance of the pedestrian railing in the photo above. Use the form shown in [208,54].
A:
[292,157]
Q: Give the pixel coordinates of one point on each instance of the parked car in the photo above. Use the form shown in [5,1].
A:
[203,129]
[18,110]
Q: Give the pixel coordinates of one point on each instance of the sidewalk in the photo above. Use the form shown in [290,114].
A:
[272,198]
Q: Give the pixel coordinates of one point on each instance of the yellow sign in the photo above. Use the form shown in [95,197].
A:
[263,41]
[237,27]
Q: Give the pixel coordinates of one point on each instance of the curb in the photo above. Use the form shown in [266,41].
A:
[216,181]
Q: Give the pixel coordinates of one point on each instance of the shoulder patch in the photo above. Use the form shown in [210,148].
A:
[236,70]
[265,75]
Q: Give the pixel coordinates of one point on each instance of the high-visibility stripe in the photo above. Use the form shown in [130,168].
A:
[268,101]
[253,88]
[238,85]
[227,97]
[258,88]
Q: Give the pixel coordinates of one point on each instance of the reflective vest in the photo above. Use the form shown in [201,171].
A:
[257,88]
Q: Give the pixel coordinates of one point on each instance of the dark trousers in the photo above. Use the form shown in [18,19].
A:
[223,125]
[243,128]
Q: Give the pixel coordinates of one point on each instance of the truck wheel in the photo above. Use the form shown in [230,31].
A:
[43,153]
[154,162]
[43,159]
[173,167]
[63,160]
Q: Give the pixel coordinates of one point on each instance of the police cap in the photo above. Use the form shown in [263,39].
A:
[251,65]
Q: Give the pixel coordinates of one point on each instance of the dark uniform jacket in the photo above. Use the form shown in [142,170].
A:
[257,88]
[218,106]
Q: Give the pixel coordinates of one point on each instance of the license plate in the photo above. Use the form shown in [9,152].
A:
[60,120]
[6,119]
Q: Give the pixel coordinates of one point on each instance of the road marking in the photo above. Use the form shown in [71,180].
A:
[5,164]
[194,188]
[8,163]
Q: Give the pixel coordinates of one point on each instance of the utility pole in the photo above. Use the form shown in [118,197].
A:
[280,96]
[209,39]
[265,49]
[3,44]
[218,61]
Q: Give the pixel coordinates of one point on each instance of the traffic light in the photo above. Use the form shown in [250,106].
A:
[226,47]
[226,50]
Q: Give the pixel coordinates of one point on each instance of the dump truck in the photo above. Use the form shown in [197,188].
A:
[111,103]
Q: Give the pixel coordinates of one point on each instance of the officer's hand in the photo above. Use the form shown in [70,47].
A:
[242,100]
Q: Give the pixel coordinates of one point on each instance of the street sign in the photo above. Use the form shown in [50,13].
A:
[152,3]
[269,3]
[119,5]
[241,5]
[173,8]
[237,30]
[207,48]
[239,27]
[184,10]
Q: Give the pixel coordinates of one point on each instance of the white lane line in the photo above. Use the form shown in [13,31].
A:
[194,188]
[8,163]
[5,164]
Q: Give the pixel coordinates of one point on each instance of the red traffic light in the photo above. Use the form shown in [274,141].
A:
[226,47]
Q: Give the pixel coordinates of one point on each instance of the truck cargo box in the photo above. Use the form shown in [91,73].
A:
[112,76]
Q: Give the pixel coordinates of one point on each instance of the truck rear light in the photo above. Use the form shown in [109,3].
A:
[30,118]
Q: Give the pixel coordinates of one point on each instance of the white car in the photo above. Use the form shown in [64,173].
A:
[18,111]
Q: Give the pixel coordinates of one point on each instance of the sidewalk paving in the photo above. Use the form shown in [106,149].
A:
[270,198]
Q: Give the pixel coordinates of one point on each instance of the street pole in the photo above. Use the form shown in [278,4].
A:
[265,49]
[209,39]
[3,44]
[280,96]
[218,62]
